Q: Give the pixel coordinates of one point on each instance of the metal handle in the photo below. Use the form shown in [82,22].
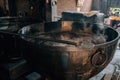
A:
[99,58]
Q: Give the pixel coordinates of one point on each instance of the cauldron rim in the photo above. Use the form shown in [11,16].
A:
[97,45]
[109,42]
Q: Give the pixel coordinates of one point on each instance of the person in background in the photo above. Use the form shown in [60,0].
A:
[110,13]
[107,20]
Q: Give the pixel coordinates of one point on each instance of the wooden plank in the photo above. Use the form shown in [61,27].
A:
[108,76]
[97,77]
[109,71]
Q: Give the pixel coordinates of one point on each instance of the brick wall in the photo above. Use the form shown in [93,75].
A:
[66,5]
[70,5]
[2,3]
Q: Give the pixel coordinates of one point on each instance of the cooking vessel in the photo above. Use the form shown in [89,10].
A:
[14,23]
[10,45]
[60,62]
[10,49]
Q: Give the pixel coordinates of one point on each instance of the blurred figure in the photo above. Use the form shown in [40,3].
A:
[110,13]
[118,30]
[107,20]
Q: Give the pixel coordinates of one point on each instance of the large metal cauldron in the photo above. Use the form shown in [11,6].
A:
[10,49]
[10,45]
[66,63]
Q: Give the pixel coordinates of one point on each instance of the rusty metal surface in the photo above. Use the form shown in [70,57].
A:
[68,62]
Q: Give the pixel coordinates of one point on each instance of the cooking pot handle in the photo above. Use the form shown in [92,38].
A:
[99,58]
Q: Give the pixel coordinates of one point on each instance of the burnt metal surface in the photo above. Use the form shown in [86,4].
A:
[64,62]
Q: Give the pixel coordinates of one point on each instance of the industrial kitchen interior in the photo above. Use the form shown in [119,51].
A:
[59,40]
